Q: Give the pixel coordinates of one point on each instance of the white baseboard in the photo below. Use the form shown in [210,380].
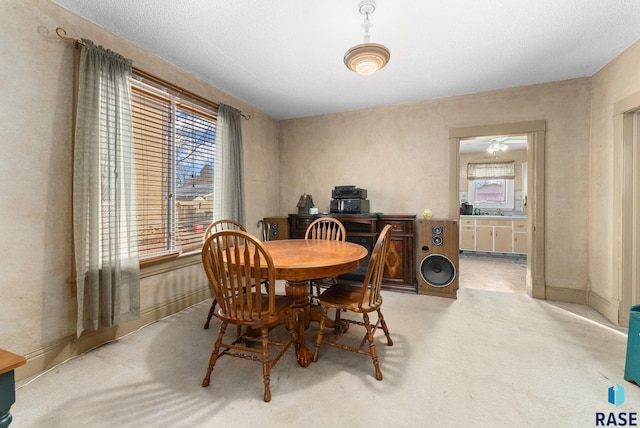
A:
[568,295]
[610,309]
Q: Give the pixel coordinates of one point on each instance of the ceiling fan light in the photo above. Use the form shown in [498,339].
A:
[367,58]
[497,147]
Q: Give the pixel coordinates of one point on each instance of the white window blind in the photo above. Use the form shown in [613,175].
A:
[174,140]
[493,170]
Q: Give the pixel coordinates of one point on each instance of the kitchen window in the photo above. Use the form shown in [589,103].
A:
[174,144]
[491,185]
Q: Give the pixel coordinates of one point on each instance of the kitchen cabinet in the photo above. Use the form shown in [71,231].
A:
[503,239]
[484,238]
[467,234]
[520,235]
[497,235]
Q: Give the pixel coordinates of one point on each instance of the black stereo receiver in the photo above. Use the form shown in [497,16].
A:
[348,192]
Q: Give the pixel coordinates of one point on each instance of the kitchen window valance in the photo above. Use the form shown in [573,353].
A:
[493,170]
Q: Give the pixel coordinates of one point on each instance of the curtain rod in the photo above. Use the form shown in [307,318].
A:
[62,33]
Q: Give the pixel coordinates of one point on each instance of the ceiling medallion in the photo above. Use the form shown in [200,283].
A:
[367,58]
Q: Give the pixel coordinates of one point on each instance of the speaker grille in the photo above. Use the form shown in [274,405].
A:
[437,270]
[278,227]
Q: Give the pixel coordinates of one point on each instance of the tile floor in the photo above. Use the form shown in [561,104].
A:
[493,272]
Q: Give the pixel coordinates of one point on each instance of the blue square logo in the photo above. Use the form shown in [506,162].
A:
[616,395]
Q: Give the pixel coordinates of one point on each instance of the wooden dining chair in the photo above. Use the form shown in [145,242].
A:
[226,224]
[363,299]
[230,258]
[330,229]
[217,226]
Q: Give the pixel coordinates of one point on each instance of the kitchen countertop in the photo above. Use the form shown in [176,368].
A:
[494,217]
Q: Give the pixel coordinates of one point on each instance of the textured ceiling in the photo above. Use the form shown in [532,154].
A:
[285,56]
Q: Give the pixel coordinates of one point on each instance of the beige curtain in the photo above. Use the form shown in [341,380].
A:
[104,203]
[491,171]
[229,177]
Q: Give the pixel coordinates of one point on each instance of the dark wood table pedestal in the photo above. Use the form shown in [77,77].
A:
[298,261]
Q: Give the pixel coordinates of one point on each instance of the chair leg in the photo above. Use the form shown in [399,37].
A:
[384,328]
[266,364]
[320,334]
[214,354]
[211,312]
[372,347]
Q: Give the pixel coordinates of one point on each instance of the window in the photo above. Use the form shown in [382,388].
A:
[174,143]
[490,190]
[491,185]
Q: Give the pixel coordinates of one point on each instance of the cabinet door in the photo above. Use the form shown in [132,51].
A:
[398,268]
[520,242]
[484,238]
[502,239]
[298,224]
[467,238]
[520,234]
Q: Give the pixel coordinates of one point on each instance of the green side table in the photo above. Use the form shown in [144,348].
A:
[8,362]
[632,365]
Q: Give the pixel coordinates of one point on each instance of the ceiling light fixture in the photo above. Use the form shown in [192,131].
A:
[497,147]
[367,58]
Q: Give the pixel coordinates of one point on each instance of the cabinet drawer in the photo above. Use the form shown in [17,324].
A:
[467,222]
[502,223]
[396,226]
[520,225]
[468,227]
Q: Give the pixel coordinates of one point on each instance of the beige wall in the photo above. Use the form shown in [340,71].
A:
[38,301]
[617,81]
[400,154]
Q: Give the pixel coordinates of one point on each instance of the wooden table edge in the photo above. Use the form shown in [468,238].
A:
[10,361]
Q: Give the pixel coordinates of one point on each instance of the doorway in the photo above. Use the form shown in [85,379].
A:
[535,138]
[627,191]
[493,178]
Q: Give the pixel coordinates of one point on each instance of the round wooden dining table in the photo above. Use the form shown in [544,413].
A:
[299,260]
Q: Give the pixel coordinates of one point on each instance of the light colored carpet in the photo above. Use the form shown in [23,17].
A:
[487,359]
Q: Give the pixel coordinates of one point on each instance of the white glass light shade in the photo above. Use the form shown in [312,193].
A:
[497,147]
[367,58]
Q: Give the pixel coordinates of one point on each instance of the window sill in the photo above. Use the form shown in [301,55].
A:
[170,263]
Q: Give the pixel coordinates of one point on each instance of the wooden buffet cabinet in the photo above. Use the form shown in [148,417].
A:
[399,272]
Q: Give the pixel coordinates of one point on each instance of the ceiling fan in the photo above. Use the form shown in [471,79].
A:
[499,143]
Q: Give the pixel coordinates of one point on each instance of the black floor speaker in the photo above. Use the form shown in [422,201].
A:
[278,227]
[438,257]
